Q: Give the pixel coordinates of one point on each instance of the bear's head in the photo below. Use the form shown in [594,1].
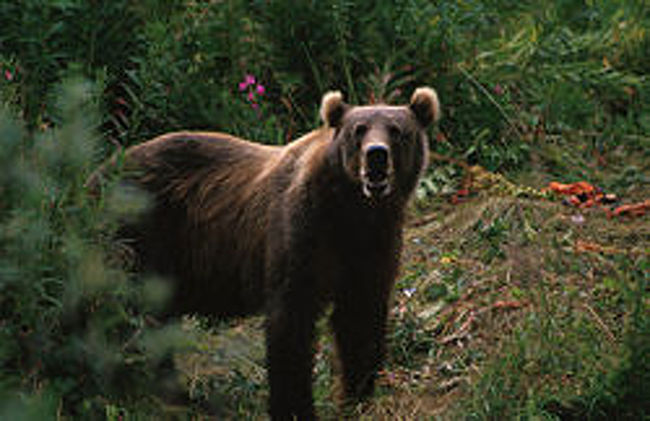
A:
[382,149]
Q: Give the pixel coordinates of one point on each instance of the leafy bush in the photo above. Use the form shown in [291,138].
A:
[190,74]
[72,332]
[44,38]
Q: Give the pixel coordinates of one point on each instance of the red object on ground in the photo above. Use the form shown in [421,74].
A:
[581,194]
[459,196]
[580,187]
[585,195]
[635,209]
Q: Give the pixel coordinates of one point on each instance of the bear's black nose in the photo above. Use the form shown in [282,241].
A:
[377,162]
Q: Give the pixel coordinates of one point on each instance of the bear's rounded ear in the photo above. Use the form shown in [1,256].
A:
[333,108]
[425,105]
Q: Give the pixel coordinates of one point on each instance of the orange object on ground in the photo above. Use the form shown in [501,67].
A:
[635,209]
[581,194]
[580,187]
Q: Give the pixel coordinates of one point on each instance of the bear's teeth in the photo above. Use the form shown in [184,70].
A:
[376,190]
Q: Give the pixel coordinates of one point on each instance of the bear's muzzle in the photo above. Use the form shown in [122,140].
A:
[375,170]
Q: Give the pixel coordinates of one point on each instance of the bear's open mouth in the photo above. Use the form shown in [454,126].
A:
[376,169]
[376,189]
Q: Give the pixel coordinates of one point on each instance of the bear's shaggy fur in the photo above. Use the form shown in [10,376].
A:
[241,227]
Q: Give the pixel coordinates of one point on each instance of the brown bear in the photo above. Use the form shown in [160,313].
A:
[241,227]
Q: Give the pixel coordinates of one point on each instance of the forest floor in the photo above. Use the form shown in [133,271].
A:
[508,295]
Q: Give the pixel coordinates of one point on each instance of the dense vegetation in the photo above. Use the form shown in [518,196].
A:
[532,89]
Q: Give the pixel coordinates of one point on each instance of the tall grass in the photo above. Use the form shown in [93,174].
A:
[507,73]
[560,364]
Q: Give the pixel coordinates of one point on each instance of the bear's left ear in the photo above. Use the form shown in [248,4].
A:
[425,105]
[333,108]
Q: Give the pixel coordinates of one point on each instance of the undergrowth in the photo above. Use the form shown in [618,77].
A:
[73,336]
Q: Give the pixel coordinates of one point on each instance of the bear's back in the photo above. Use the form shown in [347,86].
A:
[209,217]
[205,228]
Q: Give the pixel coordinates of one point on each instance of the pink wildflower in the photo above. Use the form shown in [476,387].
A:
[498,89]
[8,76]
[252,89]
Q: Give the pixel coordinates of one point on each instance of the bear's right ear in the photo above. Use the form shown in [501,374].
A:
[333,108]
[425,105]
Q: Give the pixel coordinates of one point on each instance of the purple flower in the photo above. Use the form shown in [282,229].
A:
[498,89]
[249,80]
[252,89]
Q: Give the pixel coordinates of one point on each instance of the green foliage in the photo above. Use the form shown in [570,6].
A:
[624,392]
[72,332]
[43,38]
[492,236]
[189,73]
[506,73]
[408,339]
[557,364]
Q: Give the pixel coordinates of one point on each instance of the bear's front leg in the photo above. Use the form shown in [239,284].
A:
[359,324]
[289,339]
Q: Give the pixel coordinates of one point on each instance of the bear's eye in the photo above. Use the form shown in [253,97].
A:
[360,130]
[394,131]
